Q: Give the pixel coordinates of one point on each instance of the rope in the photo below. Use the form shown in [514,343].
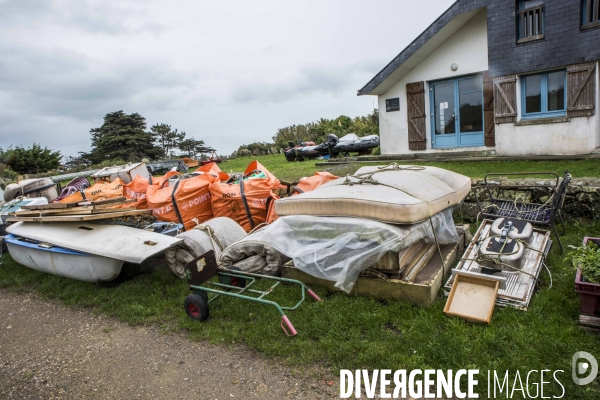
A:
[367,178]
[498,261]
[210,232]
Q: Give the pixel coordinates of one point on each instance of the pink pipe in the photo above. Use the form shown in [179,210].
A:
[314,295]
[286,322]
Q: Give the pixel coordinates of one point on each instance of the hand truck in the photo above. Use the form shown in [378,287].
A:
[234,283]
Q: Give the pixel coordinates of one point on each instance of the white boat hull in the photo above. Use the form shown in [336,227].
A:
[63,262]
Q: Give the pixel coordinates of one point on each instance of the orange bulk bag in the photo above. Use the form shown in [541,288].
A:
[306,184]
[245,200]
[104,190]
[310,183]
[182,200]
[76,197]
[99,191]
[136,190]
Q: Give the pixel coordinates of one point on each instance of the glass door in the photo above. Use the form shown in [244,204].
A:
[457,112]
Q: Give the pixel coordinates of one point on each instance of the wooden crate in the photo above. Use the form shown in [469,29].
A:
[472,298]
[423,291]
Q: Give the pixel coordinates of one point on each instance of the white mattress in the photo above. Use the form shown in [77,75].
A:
[404,196]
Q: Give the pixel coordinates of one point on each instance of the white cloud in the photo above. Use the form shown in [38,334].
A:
[225,72]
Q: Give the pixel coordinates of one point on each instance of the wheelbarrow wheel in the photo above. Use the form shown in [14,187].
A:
[196,307]
[232,280]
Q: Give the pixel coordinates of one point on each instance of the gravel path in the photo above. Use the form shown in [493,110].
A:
[48,351]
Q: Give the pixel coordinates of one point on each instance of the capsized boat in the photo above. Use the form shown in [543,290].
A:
[113,241]
[55,260]
[37,187]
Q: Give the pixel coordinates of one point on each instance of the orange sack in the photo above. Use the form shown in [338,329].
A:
[306,184]
[182,200]
[310,183]
[136,190]
[245,200]
[99,191]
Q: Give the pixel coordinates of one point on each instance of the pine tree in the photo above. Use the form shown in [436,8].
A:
[124,137]
[33,160]
[166,138]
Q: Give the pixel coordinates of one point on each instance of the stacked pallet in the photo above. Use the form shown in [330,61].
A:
[76,212]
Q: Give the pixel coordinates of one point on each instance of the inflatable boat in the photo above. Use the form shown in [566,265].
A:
[333,147]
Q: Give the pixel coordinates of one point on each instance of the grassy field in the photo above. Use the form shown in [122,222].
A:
[476,169]
[352,333]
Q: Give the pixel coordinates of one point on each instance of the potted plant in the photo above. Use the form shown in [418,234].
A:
[587,280]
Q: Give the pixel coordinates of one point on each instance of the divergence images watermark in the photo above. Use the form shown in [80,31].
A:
[463,383]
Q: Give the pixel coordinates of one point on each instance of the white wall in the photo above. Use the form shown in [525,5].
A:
[576,136]
[467,48]
[573,137]
[597,106]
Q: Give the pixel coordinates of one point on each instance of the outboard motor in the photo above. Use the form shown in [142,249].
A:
[332,140]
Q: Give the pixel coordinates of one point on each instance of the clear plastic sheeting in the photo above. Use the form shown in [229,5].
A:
[338,249]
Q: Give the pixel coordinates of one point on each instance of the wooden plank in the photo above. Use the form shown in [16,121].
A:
[48,206]
[78,218]
[589,320]
[69,211]
[99,202]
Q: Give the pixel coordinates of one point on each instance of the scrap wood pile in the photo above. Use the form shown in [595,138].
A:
[82,211]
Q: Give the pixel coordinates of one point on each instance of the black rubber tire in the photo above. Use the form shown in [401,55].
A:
[233,281]
[196,307]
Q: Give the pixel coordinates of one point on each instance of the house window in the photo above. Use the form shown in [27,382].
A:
[590,13]
[530,20]
[543,95]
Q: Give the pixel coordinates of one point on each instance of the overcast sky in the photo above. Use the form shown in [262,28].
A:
[229,73]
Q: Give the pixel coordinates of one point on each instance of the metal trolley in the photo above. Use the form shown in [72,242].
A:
[234,283]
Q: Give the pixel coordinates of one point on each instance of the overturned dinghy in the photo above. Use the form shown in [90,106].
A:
[59,261]
[112,241]
[83,251]
[38,187]
[393,194]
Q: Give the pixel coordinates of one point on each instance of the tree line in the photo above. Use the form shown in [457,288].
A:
[316,131]
[124,137]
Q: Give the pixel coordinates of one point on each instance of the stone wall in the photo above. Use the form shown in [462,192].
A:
[582,199]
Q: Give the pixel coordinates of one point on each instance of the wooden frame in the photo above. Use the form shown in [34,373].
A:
[461,295]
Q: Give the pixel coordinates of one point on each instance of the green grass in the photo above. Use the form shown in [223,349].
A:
[276,164]
[476,169]
[352,333]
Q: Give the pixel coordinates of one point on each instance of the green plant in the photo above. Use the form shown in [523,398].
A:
[587,258]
